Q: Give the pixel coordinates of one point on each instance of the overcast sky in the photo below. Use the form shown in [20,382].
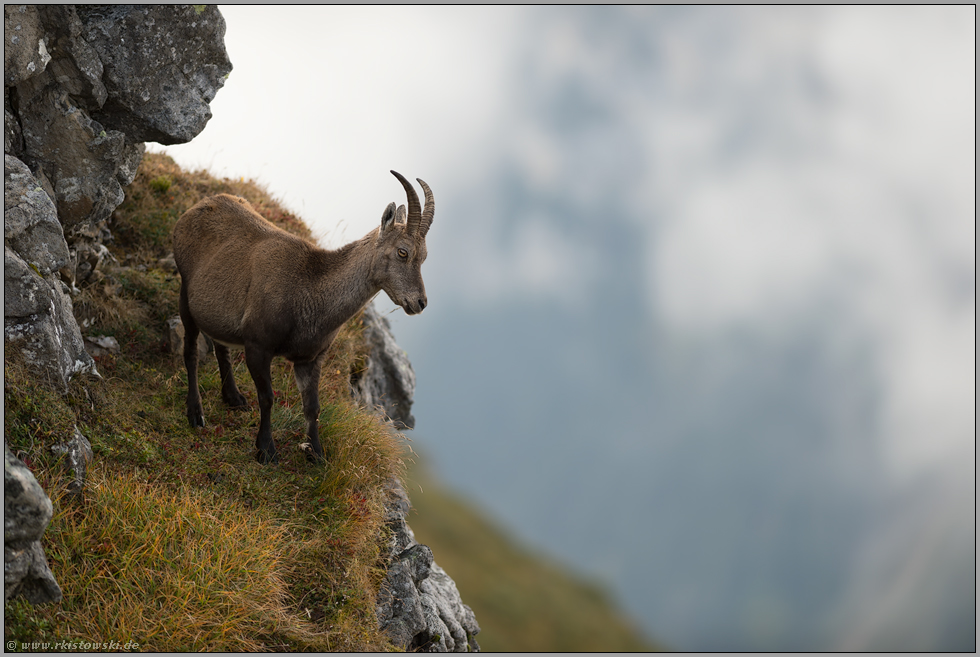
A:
[784,170]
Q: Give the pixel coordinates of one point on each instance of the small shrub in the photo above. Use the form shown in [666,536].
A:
[161,184]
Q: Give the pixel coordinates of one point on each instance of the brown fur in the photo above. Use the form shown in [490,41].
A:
[247,283]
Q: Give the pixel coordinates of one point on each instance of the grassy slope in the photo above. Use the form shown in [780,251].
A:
[181,541]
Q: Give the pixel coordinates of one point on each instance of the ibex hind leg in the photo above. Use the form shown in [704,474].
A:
[308,381]
[230,394]
[259,363]
[195,415]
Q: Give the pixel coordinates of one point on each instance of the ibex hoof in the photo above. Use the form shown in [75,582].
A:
[267,458]
[235,401]
[195,419]
[311,455]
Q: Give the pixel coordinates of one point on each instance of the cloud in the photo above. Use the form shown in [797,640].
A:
[851,190]
[833,182]
[324,101]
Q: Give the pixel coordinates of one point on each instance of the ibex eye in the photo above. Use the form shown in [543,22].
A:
[402,253]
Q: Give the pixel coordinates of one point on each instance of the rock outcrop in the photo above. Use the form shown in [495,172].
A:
[26,514]
[84,87]
[419,606]
[36,307]
[388,382]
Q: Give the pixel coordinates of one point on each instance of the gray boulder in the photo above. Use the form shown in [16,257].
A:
[78,455]
[30,221]
[163,66]
[26,514]
[401,612]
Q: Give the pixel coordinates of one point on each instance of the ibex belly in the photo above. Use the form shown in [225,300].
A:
[218,309]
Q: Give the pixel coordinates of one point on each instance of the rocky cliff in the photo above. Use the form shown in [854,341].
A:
[419,606]
[84,87]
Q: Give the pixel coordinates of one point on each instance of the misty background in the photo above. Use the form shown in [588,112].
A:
[702,288]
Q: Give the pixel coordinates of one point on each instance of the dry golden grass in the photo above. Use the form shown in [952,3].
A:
[174,570]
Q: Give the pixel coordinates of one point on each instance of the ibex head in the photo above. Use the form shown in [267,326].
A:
[401,249]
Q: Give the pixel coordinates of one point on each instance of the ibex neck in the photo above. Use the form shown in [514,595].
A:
[346,277]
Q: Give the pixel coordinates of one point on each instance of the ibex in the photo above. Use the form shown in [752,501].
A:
[246,283]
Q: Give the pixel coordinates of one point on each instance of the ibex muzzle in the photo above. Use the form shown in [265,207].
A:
[249,284]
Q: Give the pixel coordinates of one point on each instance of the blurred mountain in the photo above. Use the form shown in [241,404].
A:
[523,601]
[722,461]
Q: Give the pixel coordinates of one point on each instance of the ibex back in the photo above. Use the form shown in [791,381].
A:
[246,283]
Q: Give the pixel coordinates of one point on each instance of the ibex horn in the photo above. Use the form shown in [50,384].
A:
[414,207]
[430,207]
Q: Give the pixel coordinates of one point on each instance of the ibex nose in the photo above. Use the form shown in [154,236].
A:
[421,304]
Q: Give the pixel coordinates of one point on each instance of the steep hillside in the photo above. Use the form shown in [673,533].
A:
[179,540]
[524,602]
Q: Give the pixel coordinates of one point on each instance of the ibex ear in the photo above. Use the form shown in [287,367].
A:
[388,218]
[400,215]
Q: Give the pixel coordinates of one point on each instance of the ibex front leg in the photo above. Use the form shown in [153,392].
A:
[308,381]
[259,362]
[195,416]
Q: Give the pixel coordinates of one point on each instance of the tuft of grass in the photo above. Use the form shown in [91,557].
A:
[161,184]
[174,569]
[34,413]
